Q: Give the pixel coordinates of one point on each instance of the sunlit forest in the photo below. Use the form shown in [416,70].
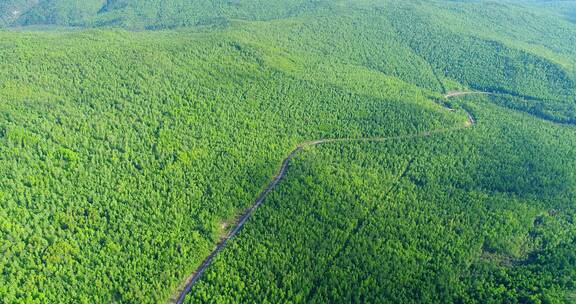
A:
[434,151]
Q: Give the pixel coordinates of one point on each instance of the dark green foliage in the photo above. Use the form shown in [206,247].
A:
[125,154]
[483,64]
[61,12]
[425,221]
[140,170]
[552,110]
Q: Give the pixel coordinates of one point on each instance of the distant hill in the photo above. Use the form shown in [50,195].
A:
[158,14]
[151,14]
[133,134]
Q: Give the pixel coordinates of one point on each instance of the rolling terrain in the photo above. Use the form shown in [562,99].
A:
[138,136]
[180,296]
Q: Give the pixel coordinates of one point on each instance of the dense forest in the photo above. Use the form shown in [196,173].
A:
[133,134]
[422,220]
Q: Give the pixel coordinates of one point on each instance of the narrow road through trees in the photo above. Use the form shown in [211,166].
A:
[461,93]
[179,296]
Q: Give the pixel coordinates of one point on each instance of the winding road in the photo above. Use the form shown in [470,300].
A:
[179,296]
[462,93]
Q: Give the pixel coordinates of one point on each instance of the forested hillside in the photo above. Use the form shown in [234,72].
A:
[430,220]
[150,14]
[134,133]
[565,8]
[99,173]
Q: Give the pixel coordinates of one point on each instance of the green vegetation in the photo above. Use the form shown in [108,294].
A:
[430,220]
[102,169]
[124,155]
[483,63]
[150,14]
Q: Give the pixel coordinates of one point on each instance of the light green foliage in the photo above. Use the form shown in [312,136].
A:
[150,14]
[122,152]
[426,220]
[130,150]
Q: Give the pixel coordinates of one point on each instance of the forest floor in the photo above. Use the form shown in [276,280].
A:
[180,294]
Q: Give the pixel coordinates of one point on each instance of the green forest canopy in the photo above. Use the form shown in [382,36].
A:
[130,131]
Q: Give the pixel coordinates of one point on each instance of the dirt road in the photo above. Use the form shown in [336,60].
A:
[179,297]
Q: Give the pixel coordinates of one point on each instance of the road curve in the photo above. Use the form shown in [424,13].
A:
[178,298]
